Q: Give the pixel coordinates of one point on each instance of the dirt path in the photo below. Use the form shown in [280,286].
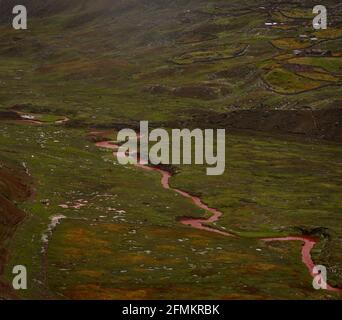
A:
[201,224]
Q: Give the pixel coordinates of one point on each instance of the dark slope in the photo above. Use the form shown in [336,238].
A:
[15,186]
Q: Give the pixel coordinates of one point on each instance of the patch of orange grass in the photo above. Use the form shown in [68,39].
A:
[104,251]
[91,273]
[137,258]
[165,248]
[162,232]
[231,257]
[96,292]
[114,227]
[78,235]
[200,242]
[72,252]
[84,237]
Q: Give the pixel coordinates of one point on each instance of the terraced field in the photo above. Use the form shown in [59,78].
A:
[89,228]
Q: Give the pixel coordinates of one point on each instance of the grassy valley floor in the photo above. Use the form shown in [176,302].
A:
[114,244]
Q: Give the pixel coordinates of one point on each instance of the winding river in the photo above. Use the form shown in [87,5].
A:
[202,224]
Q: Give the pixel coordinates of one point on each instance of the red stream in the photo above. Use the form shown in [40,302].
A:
[201,224]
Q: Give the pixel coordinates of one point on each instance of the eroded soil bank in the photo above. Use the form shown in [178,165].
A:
[15,186]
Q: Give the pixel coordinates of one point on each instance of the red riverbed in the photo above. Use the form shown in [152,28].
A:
[201,224]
